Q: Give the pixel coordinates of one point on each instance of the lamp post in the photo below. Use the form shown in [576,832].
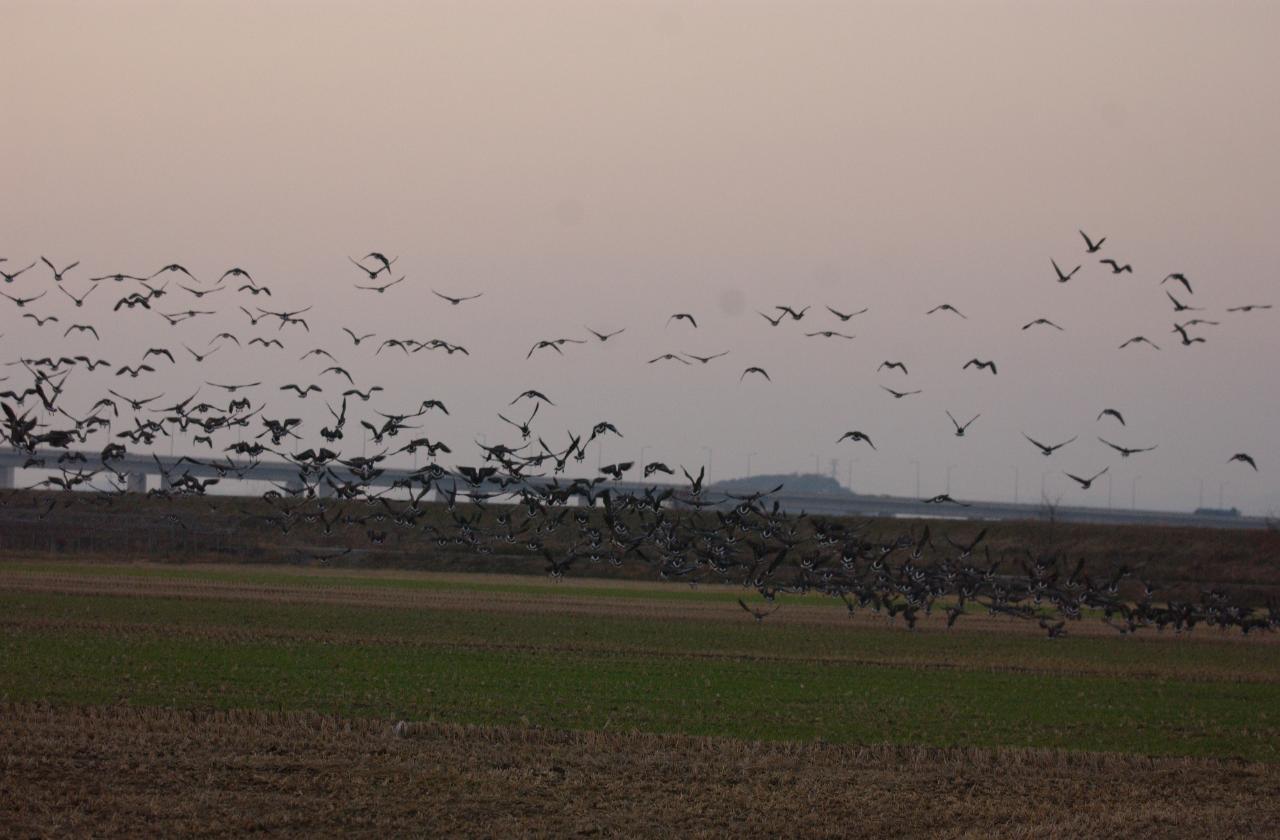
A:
[950,467]
[749,457]
[1133,492]
[1015,484]
[643,450]
[1221,486]
[710,453]
[916,464]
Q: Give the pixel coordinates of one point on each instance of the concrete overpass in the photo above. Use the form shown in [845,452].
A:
[140,469]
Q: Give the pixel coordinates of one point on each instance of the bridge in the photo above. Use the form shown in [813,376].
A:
[140,471]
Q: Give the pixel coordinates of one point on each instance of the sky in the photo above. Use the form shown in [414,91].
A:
[609,164]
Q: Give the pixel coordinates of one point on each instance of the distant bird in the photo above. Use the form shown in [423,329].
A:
[1090,244]
[843,316]
[1181,278]
[683,316]
[382,288]
[1139,339]
[9,277]
[1111,412]
[1116,268]
[773,322]
[705,359]
[1056,630]
[174,267]
[82,328]
[200,357]
[553,344]
[1046,450]
[946,307]
[891,366]
[1062,278]
[40,322]
[943,498]
[1086,483]
[235,272]
[1187,340]
[795,315]
[23,301]
[79,300]
[1125,452]
[1042,321]
[338,370]
[381,259]
[199,293]
[301,391]
[57,275]
[456,300]
[758,370]
[356,338]
[828,334]
[1249,307]
[158,351]
[1243,458]
[668,357]
[981,365]
[231,389]
[856,436]
[532,395]
[615,471]
[1179,306]
[960,430]
[605,336]
[897,395]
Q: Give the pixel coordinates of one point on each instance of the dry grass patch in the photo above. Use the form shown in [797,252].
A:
[118,771]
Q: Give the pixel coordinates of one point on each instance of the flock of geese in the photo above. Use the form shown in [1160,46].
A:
[684,532]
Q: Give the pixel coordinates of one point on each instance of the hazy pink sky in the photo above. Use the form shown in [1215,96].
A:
[611,163]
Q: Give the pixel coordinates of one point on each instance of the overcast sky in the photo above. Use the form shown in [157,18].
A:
[608,164]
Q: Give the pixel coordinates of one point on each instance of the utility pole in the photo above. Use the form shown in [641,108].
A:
[749,456]
[917,466]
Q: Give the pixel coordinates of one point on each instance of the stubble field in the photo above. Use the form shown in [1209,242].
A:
[220,699]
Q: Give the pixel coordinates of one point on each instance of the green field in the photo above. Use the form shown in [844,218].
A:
[619,658]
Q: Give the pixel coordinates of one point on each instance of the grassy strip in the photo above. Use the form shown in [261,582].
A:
[1198,657]
[415,582]
[660,687]
[772,701]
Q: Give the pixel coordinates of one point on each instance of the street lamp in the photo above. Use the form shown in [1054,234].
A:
[749,456]
[1133,492]
[707,449]
[1015,484]
[1221,486]
[916,464]
[950,467]
[643,450]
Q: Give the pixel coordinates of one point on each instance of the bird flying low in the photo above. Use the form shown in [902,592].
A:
[1086,483]
[1244,458]
[856,436]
